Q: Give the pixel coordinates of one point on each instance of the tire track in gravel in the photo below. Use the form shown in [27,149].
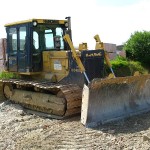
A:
[23,131]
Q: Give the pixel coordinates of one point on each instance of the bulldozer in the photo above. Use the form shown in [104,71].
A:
[49,78]
[56,79]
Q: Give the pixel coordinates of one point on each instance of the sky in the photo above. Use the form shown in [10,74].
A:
[113,20]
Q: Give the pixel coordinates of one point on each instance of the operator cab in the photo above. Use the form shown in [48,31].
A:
[26,40]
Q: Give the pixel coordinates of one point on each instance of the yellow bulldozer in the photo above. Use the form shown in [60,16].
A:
[56,79]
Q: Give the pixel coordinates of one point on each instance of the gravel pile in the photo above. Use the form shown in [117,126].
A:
[20,130]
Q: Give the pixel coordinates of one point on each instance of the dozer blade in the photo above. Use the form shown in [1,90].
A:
[111,99]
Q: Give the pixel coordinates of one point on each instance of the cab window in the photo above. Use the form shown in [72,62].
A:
[49,37]
[13,39]
[22,38]
[35,40]
[44,36]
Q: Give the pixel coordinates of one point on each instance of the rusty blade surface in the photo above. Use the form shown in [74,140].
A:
[111,99]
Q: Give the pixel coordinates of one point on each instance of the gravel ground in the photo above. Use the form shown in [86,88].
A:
[20,130]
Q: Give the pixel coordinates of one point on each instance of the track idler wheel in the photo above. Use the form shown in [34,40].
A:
[8,90]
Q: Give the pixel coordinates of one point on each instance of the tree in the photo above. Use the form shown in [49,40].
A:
[138,47]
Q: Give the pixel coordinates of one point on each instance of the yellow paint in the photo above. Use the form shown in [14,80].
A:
[55,63]
[83,46]
[29,73]
[74,53]
[19,22]
[62,21]
[99,44]
[136,73]
[111,76]
[38,21]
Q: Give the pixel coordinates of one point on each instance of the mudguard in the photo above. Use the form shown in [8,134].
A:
[106,100]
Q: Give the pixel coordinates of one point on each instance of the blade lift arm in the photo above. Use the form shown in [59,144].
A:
[76,57]
[100,45]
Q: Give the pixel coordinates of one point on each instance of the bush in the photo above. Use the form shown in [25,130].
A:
[123,67]
[138,47]
[8,75]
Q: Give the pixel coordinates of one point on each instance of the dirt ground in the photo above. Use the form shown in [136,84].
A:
[20,130]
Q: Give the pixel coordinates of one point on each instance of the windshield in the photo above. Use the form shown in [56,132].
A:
[43,37]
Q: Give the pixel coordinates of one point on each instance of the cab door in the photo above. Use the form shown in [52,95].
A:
[12,48]
[22,48]
[17,48]
[36,50]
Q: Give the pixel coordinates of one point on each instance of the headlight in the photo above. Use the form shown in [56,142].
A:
[34,23]
[66,24]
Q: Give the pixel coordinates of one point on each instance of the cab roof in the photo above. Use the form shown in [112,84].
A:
[47,21]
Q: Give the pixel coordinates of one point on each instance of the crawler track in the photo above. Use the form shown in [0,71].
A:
[55,99]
